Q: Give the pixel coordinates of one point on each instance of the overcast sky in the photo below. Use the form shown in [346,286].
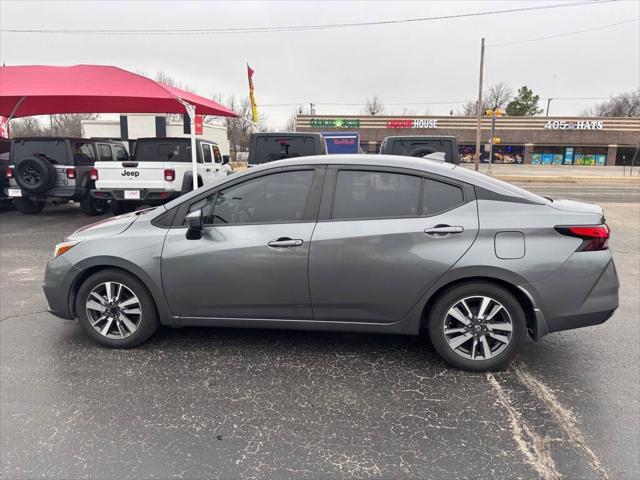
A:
[435,61]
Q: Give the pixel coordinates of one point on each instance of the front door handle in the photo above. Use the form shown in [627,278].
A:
[285,242]
[208,169]
[443,230]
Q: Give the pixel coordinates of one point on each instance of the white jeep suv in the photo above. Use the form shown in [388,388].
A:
[159,171]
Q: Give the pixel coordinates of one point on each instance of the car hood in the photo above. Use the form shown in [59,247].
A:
[576,207]
[104,228]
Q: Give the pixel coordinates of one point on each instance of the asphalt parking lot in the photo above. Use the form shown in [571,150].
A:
[225,403]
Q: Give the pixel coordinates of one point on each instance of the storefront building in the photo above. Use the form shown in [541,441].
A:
[531,140]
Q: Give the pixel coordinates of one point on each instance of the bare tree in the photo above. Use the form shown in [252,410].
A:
[70,124]
[626,104]
[290,126]
[498,95]
[240,128]
[27,127]
[468,109]
[373,106]
[407,112]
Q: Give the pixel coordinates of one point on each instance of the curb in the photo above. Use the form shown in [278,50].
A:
[568,179]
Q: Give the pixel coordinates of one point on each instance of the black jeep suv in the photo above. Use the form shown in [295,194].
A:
[59,170]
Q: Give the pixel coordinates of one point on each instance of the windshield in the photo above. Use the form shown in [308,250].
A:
[174,151]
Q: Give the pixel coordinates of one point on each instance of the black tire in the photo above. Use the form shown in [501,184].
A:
[119,208]
[438,316]
[147,323]
[28,206]
[35,174]
[93,206]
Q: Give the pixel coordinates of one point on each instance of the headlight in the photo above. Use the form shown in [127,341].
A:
[63,247]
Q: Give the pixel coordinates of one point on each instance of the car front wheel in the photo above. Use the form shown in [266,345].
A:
[116,310]
[477,326]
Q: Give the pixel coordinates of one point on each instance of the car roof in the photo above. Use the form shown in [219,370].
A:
[419,137]
[72,139]
[287,134]
[175,139]
[442,169]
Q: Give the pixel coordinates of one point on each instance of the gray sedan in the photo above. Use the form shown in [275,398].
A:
[346,243]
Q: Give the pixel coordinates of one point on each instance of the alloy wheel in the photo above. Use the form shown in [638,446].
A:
[113,310]
[478,327]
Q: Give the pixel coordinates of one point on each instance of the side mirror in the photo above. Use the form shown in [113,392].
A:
[225,159]
[194,225]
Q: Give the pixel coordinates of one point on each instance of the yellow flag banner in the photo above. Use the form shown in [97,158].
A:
[252,98]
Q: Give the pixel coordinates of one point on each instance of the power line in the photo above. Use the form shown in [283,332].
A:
[449,102]
[564,34]
[289,28]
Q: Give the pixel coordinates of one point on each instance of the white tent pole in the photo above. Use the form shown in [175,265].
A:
[191,111]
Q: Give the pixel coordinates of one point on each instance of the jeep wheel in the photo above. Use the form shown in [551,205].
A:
[35,174]
[28,206]
[119,208]
[93,206]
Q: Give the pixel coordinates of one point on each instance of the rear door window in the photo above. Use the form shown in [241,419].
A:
[104,151]
[216,154]
[206,153]
[421,148]
[366,194]
[53,150]
[438,197]
[83,152]
[121,153]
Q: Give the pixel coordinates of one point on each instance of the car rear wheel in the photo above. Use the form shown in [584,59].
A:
[28,206]
[93,206]
[116,310]
[477,326]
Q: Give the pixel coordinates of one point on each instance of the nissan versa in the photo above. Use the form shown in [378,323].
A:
[352,243]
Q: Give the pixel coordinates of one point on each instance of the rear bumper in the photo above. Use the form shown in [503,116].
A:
[69,193]
[148,196]
[581,293]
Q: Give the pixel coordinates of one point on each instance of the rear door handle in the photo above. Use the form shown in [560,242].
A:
[285,242]
[208,169]
[442,230]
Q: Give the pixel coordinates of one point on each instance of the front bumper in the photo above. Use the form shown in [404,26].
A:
[148,196]
[59,278]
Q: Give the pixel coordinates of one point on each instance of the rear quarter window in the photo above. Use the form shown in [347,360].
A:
[438,197]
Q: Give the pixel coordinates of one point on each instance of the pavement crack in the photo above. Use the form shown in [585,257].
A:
[530,444]
[563,416]
[11,317]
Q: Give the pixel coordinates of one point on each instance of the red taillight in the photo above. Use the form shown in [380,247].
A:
[93,174]
[595,237]
[71,172]
[9,173]
[169,175]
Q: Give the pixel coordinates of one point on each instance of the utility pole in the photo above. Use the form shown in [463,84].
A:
[493,131]
[548,103]
[479,106]
[312,109]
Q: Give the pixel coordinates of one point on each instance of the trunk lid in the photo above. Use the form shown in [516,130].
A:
[577,207]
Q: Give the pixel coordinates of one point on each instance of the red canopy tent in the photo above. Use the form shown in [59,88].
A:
[41,90]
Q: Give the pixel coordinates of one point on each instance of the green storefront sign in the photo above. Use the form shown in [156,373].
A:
[334,123]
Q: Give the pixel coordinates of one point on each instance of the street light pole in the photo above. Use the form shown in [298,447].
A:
[479,106]
[493,131]
[548,103]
